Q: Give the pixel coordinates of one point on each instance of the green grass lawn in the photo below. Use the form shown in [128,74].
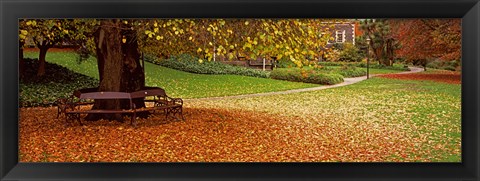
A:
[181,84]
[399,120]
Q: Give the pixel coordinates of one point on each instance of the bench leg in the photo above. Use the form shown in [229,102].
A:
[132,121]
[181,113]
[60,111]
[78,119]
[166,113]
[175,113]
[70,117]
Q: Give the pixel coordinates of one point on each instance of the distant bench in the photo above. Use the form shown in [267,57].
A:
[73,109]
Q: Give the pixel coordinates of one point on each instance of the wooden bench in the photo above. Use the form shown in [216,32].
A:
[161,101]
[73,109]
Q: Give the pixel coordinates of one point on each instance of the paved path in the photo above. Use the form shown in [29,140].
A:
[347,81]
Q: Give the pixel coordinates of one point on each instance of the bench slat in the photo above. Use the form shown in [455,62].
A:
[99,111]
[105,95]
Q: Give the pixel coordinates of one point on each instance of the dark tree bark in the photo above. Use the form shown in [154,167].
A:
[133,73]
[41,59]
[100,63]
[119,66]
[20,60]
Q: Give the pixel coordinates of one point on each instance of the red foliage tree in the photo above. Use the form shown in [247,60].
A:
[426,39]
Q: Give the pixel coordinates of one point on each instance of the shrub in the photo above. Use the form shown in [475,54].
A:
[285,63]
[332,55]
[434,65]
[350,53]
[57,82]
[445,65]
[328,79]
[351,71]
[192,64]
[308,76]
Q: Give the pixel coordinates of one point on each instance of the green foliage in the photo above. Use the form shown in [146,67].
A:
[192,64]
[351,71]
[304,75]
[338,46]
[332,55]
[382,44]
[351,53]
[58,82]
[285,63]
[445,65]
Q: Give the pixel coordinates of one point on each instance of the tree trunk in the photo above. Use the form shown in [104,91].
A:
[133,71]
[41,59]
[100,63]
[119,67]
[424,63]
[21,62]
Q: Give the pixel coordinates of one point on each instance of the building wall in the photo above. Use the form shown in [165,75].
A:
[348,28]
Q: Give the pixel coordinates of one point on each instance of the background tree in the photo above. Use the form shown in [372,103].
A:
[382,43]
[426,39]
[45,33]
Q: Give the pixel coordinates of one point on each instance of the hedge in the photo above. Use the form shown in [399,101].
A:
[348,71]
[188,63]
[57,82]
[307,76]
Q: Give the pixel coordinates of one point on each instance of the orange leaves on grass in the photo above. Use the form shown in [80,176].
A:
[451,78]
[208,135]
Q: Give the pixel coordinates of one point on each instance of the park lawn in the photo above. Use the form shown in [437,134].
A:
[378,119]
[179,83]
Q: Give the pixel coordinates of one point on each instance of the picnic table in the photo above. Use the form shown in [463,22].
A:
[73,106]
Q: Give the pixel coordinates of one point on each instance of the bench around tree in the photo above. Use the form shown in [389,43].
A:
[73,109]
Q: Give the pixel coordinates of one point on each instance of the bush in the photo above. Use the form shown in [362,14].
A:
[333,55]
[351,71]
[307,76]
[350,53]
[445,65]
[188,63]
[58,82]
[285,63]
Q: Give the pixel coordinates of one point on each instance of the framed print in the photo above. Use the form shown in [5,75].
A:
[239,90]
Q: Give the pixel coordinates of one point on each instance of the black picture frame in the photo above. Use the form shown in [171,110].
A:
[11,11]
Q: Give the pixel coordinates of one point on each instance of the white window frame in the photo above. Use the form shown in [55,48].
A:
[343,36]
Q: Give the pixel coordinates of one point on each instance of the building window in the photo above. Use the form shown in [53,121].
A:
[340,36]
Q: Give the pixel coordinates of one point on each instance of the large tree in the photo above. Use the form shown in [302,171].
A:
[119,67]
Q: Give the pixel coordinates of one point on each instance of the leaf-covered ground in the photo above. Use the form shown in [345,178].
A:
[450,77]
[375,120]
